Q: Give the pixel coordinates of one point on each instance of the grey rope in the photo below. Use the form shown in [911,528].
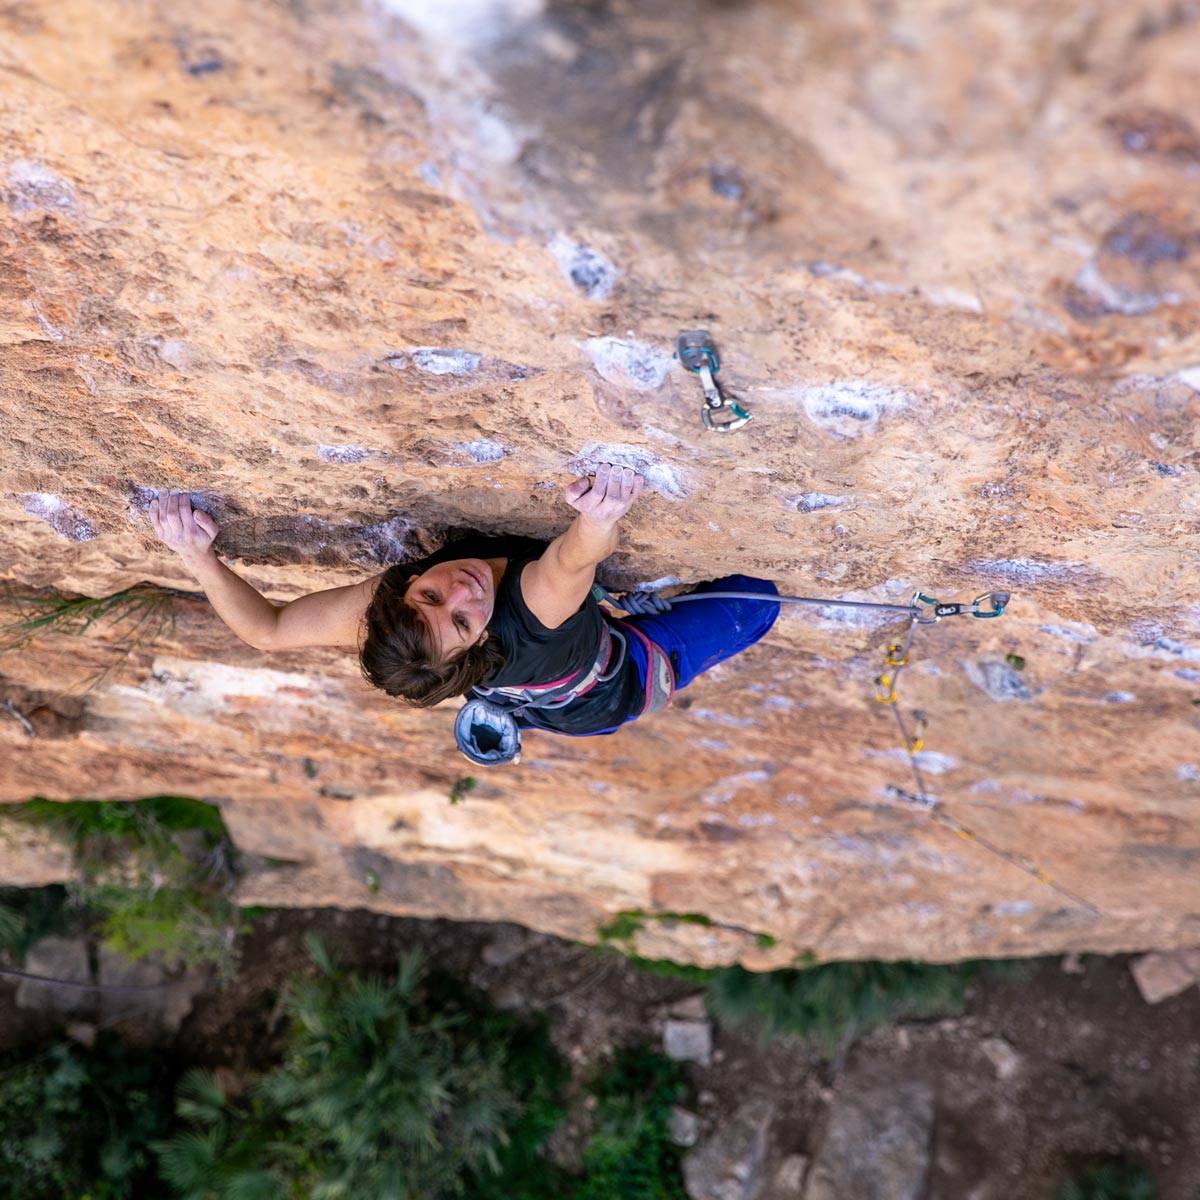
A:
[647,603]
[13,973]
[772,598]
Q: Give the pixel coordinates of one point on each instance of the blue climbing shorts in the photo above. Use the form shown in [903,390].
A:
[701,633]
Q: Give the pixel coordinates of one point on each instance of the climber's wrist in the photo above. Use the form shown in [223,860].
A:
[595,528]
[598,539]
[199,560]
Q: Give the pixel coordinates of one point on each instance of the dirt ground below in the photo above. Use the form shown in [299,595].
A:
[1046,1068]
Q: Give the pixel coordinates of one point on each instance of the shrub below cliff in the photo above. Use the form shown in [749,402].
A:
[1110,1181]
[153,875]
[78,1121]
[830,1003]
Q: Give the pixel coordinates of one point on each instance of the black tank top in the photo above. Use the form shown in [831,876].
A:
[537,655]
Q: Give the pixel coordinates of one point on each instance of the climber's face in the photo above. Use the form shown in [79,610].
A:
[455,599]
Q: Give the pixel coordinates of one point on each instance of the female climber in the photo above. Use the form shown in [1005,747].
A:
[511,623]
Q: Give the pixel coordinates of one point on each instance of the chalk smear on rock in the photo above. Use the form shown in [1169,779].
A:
[342,454]
[1072,631]
[929,761]
[659,476]
[482,450]
[815,501]
[436,361]
[589,270]
[628,363]
[850,407]
[1028,570]
[61,517]
[998,679]
[31,186]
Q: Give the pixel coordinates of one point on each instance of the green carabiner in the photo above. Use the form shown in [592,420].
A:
[933,617]
[998,600]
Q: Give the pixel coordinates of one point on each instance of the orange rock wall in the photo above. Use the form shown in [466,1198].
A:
[354,275]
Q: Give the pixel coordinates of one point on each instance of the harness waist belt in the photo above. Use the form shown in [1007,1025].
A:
[659,683]
[561,692]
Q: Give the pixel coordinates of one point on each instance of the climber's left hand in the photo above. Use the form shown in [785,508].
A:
[605,498]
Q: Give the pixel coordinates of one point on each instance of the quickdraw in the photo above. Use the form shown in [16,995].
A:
[896,658]
[929,611]
[695,350]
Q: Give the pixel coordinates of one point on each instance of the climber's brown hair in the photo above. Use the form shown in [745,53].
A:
[398,654]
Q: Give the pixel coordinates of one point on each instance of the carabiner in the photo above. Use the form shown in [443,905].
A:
[930,603]
[695,350]
[998,600]
[738,416]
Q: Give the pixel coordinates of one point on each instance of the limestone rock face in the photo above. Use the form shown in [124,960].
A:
[352,275]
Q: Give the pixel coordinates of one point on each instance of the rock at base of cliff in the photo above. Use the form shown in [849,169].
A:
[144,1015]
[688,1041]
[1166,973]
[788,1181]
[1004,1059]
[877,1146]
[56,958]
[683,1128]
[729,1165]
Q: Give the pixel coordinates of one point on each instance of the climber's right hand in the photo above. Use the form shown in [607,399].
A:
[188,531]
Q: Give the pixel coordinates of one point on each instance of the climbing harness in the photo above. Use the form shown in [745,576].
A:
[695,350]
[895,660]
[486,728]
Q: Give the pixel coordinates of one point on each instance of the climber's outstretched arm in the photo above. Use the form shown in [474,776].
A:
[555,585]
[326,618]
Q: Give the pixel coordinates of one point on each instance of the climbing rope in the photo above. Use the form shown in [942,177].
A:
[895,661]
[922,609]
